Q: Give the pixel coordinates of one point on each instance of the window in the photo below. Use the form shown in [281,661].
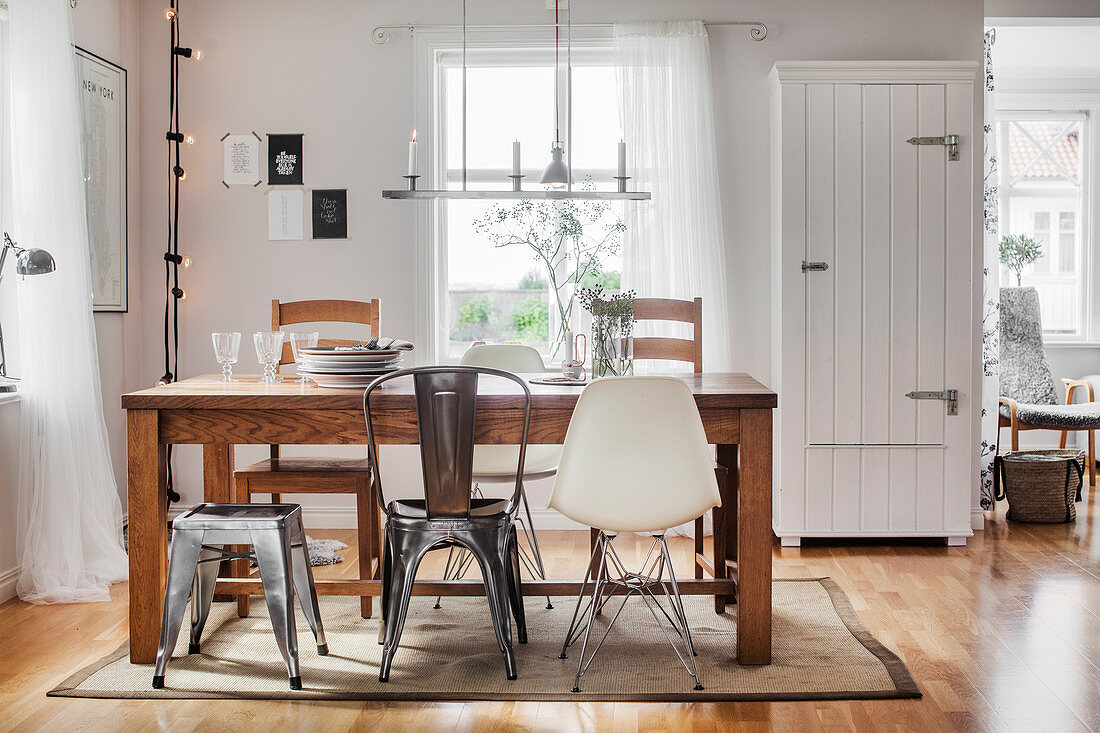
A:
[486,291]
[1042,195]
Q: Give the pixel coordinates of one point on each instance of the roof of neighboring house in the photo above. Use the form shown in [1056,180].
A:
[1065,152]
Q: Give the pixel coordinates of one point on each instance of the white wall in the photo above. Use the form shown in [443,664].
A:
[9,473]
[289,66]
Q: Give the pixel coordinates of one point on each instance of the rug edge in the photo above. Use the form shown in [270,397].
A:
[905,687]
[67,687]
[904,683]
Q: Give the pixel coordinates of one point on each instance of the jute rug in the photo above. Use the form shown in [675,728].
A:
[820,651]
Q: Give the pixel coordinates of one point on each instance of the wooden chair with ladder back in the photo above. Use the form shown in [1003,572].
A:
[278,475]
[666,348]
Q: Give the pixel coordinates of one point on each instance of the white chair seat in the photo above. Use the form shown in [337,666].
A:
[499,461]
[635,457]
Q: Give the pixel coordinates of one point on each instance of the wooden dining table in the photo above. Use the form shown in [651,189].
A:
[736,411]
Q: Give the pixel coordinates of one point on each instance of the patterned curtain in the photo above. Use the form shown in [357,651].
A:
[991,289]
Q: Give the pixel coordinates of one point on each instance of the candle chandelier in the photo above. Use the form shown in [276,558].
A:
[558,173]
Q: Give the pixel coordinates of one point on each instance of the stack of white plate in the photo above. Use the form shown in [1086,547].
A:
[345,367]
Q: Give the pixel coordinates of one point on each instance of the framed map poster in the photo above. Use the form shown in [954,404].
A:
[103,142]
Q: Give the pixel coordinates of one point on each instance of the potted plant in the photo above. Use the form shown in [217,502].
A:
[1018,251]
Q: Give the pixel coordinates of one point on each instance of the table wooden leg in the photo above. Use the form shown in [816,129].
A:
[147,504]
[217,487]
[754,539]
[378,524]
[725,523]
[366,524]
[699,547]
[239,494]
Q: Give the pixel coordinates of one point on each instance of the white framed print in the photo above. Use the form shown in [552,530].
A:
[102,86]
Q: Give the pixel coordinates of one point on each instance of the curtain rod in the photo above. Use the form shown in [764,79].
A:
[380,34]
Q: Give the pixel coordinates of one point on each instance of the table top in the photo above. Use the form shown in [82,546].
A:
[731,390]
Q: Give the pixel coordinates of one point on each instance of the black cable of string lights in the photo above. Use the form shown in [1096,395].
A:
[172,259]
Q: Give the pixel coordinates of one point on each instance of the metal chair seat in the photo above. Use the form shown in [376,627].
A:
[491,509]
[278,542]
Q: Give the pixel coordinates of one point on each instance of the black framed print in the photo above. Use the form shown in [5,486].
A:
[330,213]
[284,160]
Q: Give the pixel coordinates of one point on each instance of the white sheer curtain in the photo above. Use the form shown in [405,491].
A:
[70,516]
[674,247]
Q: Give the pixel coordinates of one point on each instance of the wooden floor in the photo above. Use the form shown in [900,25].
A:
[1003,634]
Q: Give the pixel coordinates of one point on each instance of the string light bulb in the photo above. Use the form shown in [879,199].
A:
[170,15]
[181,260]
[179,172]
[195,54]
[179,293]
[179,137]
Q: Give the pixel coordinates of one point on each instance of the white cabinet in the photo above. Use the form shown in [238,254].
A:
[873,246]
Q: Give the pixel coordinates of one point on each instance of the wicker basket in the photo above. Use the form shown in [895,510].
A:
[1040,485]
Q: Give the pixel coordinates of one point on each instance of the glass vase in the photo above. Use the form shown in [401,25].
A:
[612,346]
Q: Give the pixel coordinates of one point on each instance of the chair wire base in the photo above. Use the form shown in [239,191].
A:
[459,560]
[610,576]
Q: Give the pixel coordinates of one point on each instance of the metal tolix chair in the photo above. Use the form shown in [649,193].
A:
[279,547]
[448,516]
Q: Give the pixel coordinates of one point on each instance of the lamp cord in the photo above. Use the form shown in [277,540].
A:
[557,72]
[171,266]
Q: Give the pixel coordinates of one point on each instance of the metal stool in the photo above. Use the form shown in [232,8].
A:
[279,547]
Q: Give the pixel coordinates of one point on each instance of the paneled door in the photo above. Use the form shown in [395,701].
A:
[874,304]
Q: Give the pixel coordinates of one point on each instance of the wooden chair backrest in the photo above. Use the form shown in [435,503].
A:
[670,349]
[368,313]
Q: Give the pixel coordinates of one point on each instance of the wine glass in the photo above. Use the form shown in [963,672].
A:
[269,349]
[227,347]
[298,341]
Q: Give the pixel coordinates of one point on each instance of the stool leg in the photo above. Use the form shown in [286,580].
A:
[203,595]
[306,590]
[273,556]
[181,572]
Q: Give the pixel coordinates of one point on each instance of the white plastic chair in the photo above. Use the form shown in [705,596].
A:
[635,459]
[496,464]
